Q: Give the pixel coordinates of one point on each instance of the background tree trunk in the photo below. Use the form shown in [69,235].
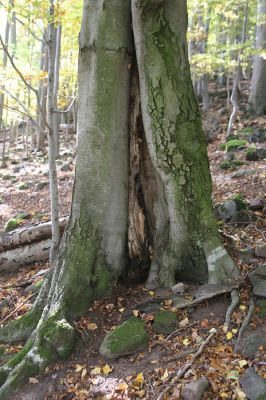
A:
[257,97]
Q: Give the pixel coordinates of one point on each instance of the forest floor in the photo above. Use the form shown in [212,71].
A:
[86,375]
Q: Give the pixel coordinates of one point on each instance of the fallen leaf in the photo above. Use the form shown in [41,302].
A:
[242,307]
[79,367]
[83,373]
[139,380]
[33,380]
[151,293]
[242,363]
[95,371]
[122,387]
[186,342]
[165,376]
[204,323]
[91,326]
[107,369]
[229,335]
[135,313]
[183,323]
[121,309]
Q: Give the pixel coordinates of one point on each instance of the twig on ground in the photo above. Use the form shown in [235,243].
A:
[18,307]
[231,308]
[177,331]
[177,375]
[245,323]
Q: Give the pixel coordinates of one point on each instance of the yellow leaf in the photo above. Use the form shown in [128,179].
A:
[165,376]
[152,293]
[96,371]
[122,387]
[91,326]
[223,395]
[121,309]
[83,373]
[229,335]
[242,363]
[186,342]
[234,330]
[242,307]
[135,313]
[107,369]
[139,380]
[79,367]
[183,323]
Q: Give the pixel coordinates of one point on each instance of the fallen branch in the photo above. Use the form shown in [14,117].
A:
[182,371]
[18,307]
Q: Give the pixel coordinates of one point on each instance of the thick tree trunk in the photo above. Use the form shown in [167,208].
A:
[257,97]
[185,239]
[169,176]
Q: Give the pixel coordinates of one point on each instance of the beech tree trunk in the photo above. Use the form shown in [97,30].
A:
[172,187]
[257,97]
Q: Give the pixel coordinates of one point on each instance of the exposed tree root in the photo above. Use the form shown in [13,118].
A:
[53,338]
[245,323]
[231,308]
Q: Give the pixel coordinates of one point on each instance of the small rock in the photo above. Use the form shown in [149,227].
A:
[252,384]
[164,321]
[227,210]
[257,137]
[24,186]
[16,169]
[179,288]
[257,203]
[246,255]
[261,154]
[250,345]
[260,250]
[244,172]
[66,167]
[252,154]
[258,280]
[41,185]
[128,338]
[195,389]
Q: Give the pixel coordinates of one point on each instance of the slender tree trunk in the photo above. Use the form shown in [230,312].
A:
[257,97]
[56,116]
[42,92]
[51,138]
[2,96]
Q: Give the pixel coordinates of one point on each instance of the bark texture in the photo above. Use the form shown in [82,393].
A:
[169,177]
[257,97]
[185,239]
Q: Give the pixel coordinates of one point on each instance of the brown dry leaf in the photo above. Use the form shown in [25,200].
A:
[183,323]
[84,373]
[33,380]
[91,326]
[204,323]
[79,367]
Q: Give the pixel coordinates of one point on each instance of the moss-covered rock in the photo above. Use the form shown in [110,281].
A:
[11,224]
[235,144]
[225,164]
[128,338]
[252,154]
[24,186]
[164,321]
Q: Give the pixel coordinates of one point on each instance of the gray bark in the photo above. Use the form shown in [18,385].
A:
[56,116]
[257,97]
[2,96]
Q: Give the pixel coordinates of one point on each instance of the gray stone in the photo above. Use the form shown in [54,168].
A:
[128,338]
[195,389]
[258,281]
[260,250]
[249,346]
[253,385]
[257,203]
[244,172]
[41,185]
[179,288]
[227,210]
[164,321]
[261,154]
[16,169]
[246,255]
[66,167]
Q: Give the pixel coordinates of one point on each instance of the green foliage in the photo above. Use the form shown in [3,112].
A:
[235,144]
[11,224]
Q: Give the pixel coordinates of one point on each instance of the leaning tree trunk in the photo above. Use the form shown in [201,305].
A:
[173,180]
[257,97]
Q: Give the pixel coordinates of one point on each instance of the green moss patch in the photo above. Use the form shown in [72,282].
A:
[235,144]
[164,321]
[11,224]
[128,338]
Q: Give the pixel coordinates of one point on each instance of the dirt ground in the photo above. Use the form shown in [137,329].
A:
[86,375]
